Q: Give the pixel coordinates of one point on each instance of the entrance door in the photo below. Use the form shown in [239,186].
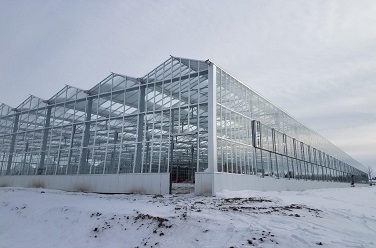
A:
[183,162]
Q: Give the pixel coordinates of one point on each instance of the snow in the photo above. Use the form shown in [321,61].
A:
[42,218]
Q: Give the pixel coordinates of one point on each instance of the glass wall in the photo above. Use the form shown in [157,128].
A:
[159,123]
[255,137]
[122,125]
[7,121]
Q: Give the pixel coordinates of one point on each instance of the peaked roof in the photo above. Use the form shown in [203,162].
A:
[171,68]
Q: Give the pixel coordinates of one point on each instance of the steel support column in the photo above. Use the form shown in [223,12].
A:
[2,162]
[44,141]
[140,130]
[212,119]
[71,143]
[113,153]
[170,162]
[12,143]
[85,141]
[24,160]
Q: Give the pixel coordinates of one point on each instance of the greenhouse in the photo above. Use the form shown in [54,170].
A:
[187,121]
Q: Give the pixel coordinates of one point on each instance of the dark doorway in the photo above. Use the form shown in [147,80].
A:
[183,163]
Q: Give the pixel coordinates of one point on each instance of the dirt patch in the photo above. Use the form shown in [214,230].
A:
[265,206]
[37,184]
[2,185]
[161,221]
[81,188]
[246,200]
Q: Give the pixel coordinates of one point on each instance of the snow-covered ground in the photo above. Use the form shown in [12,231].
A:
[314,218]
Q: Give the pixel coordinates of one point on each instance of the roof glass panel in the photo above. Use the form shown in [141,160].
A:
[68,93]
[175,67]
[5,109]
[32,102]
[114,82]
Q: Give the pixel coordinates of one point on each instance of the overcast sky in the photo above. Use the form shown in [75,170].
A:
[314,59]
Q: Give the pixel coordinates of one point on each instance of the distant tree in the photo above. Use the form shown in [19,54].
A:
[370,172]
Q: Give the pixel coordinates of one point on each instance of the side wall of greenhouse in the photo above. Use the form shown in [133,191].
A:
[253,139]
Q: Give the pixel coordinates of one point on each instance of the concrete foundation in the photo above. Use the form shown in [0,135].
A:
[151,183]
[210,184]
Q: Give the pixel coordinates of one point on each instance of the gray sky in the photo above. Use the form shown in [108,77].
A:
[314,59]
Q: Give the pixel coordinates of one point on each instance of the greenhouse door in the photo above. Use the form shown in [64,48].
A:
[183,162]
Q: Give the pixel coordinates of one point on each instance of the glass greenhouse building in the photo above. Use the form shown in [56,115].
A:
[185,121]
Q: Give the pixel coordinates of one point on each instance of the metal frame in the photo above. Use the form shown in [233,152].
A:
[276,145]
[183,110]
[121,125]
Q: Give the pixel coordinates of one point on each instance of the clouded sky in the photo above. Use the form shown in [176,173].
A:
[314,59]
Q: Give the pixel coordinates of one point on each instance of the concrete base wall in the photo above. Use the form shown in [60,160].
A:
[153,183]
[204,183]
[210,184]
[158,183]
